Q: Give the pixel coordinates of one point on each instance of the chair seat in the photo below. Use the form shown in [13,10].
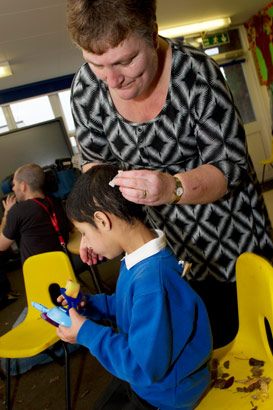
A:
[239,368]
[266,161]
[15,344]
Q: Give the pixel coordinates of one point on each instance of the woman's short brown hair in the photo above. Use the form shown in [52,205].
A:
[96,25]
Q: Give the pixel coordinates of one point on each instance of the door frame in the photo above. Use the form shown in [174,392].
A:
[260,100]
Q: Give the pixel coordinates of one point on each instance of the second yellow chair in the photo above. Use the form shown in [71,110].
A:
[268,161]
[254,276]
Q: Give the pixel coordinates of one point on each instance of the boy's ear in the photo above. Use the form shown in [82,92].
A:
[103,221]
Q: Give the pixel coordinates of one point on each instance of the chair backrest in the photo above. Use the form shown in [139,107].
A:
[254,276]
[43,270]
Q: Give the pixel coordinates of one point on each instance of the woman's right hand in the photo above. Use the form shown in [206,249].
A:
[87,254]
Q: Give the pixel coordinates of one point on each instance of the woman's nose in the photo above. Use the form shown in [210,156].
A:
[113,77]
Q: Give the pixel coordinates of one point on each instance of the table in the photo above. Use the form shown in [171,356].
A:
[73,247]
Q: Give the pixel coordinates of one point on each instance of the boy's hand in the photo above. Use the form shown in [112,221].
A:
[69,334]
[87,254]
[61,299]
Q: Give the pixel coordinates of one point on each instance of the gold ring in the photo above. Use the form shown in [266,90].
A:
[144,193]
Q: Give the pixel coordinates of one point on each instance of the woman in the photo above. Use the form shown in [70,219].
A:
[162,110]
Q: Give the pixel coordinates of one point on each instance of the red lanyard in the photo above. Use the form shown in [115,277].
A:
[53,219]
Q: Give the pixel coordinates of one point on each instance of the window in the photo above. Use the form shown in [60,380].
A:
[234,74]
[32,111]
[65,102]
[3,123]
[74,144]
[233,71]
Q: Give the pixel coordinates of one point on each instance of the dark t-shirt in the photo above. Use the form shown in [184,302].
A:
[30,226]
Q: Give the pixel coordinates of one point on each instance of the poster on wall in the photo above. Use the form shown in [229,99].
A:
[260,37]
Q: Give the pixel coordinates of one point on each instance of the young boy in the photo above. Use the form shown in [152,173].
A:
[163,342]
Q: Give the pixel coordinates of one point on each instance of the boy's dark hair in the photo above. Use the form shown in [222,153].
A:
[92,193]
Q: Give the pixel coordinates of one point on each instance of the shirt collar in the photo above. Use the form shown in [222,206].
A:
[150,248]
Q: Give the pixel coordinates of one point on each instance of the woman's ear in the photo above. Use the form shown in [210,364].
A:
[103,221]
[155,38]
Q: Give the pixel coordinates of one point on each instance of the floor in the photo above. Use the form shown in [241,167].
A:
[43,387]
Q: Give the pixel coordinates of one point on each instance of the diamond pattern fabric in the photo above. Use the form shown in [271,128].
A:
[199,124]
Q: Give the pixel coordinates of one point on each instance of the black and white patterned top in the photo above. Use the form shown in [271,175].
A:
[199,124]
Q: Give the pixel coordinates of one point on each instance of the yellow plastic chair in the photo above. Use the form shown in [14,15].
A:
[268,161]
[34,335]
[254,277]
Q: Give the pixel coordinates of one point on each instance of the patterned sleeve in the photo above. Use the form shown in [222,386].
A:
[219,129]
[88,116]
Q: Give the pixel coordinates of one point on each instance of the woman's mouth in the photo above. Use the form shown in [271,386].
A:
[124,87]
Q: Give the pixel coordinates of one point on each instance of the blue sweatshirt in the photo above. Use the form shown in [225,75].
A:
[163,343]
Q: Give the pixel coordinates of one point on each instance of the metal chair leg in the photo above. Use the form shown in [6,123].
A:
[263,175]
[67,380]
[67,376]
[8,385]
[95,277]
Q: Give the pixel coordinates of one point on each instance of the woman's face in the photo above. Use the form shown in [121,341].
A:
[128,69]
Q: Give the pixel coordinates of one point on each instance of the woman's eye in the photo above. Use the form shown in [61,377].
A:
[124,63]
[97,67]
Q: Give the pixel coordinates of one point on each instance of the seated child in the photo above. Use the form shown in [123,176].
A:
[162,345]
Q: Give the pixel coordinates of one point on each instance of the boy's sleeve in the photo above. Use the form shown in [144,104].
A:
[100,307]
[146,354]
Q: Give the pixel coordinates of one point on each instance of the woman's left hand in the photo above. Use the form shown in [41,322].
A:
[146,187]
[69,334]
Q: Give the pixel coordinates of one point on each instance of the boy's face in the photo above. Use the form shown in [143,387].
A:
[100,240]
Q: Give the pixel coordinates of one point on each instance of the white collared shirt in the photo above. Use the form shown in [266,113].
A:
[150,248]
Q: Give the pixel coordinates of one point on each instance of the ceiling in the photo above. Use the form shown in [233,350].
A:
[34,38]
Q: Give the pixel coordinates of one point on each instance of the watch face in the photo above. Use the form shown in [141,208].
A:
[179,191]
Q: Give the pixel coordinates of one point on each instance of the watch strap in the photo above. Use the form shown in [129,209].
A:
[178,192]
